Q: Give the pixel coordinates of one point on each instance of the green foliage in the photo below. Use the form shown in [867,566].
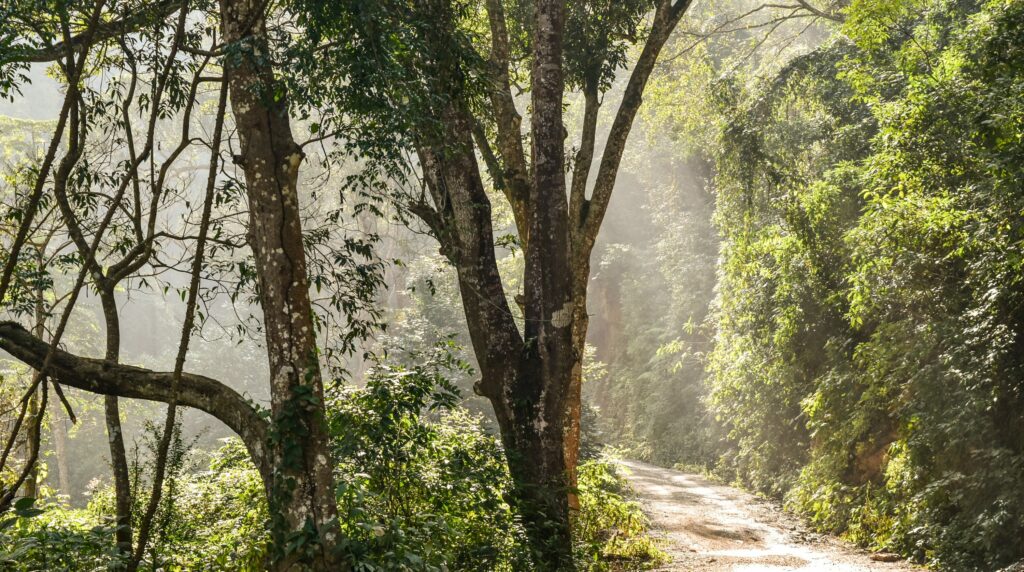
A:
[611,531]
[867,360]
[214,519]
[209,518]
[599,36]
[421,485]
[51,538]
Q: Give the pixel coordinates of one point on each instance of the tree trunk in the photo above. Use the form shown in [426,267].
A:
[549,358]
[115,436]
[533,379]
[524,380]
[587,214]
[302,498]
[59,433]
[31,486]
[532,437]
[524,375]
[292,452]
[32,481]
[574,398]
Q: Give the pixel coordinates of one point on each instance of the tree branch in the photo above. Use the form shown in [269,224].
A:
[490,159]
[106,378]
[666,17]
[515,175]
[584,159]
[833,16]
[104,31]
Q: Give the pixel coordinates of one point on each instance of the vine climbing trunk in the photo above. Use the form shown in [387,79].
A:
[302,502]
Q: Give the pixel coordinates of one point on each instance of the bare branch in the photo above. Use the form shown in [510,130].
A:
[106,378]
[666,18]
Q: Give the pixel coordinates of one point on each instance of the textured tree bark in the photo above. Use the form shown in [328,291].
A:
[513,174]
[522,375]
[533,379]
[516,380]
[574,396]
[547,286]
[302,501]
[526,403]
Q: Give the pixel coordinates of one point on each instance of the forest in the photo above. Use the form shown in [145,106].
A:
[511,285]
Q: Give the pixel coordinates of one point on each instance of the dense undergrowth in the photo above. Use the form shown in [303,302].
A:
[873,268]
[422,487]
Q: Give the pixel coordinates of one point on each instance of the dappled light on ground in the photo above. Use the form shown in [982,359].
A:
[708,527]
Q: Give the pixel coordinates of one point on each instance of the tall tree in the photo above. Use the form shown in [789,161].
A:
[418,69]
[289,444]
[301,483]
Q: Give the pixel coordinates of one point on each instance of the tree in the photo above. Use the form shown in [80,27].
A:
[432,101]
[531,375]
[288,444]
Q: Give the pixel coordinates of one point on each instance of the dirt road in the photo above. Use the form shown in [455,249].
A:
[706,527]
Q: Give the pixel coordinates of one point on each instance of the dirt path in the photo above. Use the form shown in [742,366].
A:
[709,527]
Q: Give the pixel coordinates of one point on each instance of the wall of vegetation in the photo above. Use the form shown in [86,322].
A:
[868,321]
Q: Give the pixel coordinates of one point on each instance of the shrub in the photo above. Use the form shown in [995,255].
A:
[610,530]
